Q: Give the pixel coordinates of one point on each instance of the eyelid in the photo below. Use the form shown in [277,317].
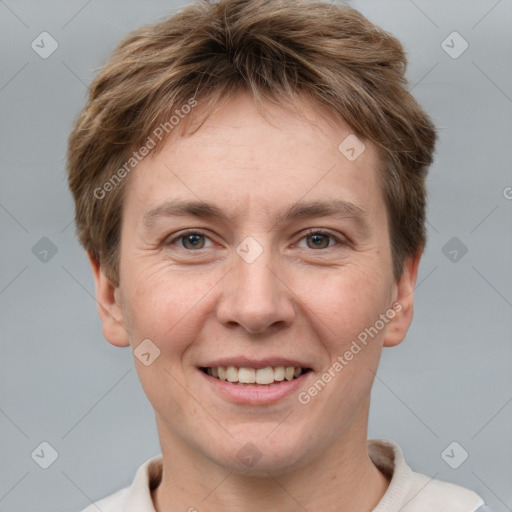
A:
[311,231]
[180,234]
[322,231]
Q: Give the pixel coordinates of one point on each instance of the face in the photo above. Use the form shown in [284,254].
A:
[251,283]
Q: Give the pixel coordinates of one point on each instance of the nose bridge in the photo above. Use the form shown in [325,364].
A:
[255,297]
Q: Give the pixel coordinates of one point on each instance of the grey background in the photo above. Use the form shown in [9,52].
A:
[62,383]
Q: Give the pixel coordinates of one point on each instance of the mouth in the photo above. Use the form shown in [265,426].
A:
[247,376]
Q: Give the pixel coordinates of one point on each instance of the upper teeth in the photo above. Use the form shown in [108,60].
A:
[246,375]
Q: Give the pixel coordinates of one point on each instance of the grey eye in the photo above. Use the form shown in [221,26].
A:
[318,240]
[193,241]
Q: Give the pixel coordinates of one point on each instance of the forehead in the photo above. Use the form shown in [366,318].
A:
[239,160]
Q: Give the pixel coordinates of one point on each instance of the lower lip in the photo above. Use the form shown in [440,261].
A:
[255,394]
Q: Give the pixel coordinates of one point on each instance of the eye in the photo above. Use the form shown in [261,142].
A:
[195,240]
[192,240]
[319,239]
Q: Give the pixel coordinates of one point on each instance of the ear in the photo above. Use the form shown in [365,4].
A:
[109,307]
[403,304]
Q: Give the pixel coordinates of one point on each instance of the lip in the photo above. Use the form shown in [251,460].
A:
[254,363]
[255,394]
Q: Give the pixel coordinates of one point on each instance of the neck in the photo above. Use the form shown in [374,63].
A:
[342,479]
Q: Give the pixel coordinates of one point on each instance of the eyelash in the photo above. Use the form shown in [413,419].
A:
[305,235]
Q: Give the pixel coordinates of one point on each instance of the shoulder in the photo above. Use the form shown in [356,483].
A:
[113,503]
[137,496]
[427,494]
[409,491]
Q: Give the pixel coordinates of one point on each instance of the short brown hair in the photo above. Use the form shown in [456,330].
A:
[275,50]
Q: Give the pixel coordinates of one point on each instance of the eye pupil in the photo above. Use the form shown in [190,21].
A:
[317,239]
[193,239]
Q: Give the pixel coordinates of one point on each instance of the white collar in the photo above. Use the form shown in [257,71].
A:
[407,492]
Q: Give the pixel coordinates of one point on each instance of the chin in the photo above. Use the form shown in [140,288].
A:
[258,456]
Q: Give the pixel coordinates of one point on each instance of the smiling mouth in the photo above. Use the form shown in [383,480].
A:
[246,376]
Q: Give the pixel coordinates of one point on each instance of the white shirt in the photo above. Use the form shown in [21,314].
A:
[408,491]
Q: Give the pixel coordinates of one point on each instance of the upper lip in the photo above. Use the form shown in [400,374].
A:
[254,363]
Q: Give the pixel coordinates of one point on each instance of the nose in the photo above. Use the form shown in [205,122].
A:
[255,295]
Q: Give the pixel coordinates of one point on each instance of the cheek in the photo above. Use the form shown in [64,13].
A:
[165,306]
[345,301]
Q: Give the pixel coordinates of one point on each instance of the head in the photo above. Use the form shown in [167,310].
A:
[255,107]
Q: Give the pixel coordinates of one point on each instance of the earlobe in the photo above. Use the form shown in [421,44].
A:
[109,307]
[404,303]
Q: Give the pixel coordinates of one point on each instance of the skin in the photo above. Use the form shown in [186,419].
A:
[295,300]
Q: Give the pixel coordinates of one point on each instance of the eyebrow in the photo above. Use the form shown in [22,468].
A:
[337,208]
